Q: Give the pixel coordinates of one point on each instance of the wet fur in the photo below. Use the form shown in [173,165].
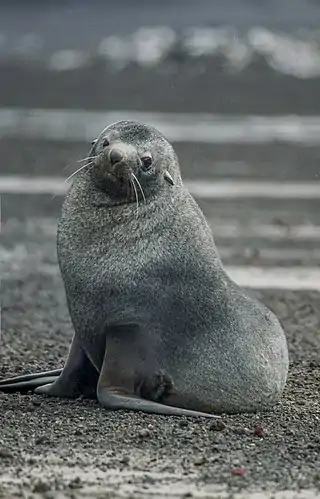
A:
[154,313]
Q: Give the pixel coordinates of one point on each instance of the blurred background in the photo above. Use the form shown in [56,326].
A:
[235,85]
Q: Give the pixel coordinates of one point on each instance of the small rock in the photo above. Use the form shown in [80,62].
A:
[217,425]
[42,439]
[183,423]
[259,432]
[76,483]
[149,479]
[239,471]
[316,477]
[124,460]
[314,363]
[36,402]
[30,408]
[40,487]
[144,433]
[241,430]
[199,460]
[5,453]
[290,431]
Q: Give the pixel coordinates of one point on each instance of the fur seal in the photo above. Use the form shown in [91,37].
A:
[159,325]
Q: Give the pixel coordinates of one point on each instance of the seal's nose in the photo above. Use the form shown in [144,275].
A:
[115,156]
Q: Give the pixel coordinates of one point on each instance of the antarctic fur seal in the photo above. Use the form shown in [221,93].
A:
[158,324]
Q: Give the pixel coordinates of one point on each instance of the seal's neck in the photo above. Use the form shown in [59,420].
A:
[88,202]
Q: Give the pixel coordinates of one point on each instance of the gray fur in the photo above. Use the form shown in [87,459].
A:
[154,312]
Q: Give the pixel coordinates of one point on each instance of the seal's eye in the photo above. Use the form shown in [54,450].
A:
[105,143]
[146,162]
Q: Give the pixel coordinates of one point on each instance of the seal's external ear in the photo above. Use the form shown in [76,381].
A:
[168,177]
[93,143]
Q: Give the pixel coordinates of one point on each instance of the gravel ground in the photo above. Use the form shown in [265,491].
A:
[60,448]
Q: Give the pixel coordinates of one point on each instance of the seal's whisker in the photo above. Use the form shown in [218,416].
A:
[78,161]
[84,159]
[135,193]
[79,170]
[92,165]
[67,167]
[128,188]
[139,185]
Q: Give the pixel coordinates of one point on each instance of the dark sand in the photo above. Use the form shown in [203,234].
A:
[61,448]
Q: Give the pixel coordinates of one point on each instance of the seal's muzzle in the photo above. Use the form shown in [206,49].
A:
[115,156]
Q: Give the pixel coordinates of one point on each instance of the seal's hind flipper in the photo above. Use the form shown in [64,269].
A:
[25,386]
[114,401]
[29,377]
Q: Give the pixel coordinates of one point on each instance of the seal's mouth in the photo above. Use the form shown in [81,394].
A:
[116,165]
[117,178]
[119,175]
[121,180]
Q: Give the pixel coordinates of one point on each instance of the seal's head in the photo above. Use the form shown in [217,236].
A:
[132,159]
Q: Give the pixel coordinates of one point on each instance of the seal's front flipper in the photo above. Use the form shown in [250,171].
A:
[78,377]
